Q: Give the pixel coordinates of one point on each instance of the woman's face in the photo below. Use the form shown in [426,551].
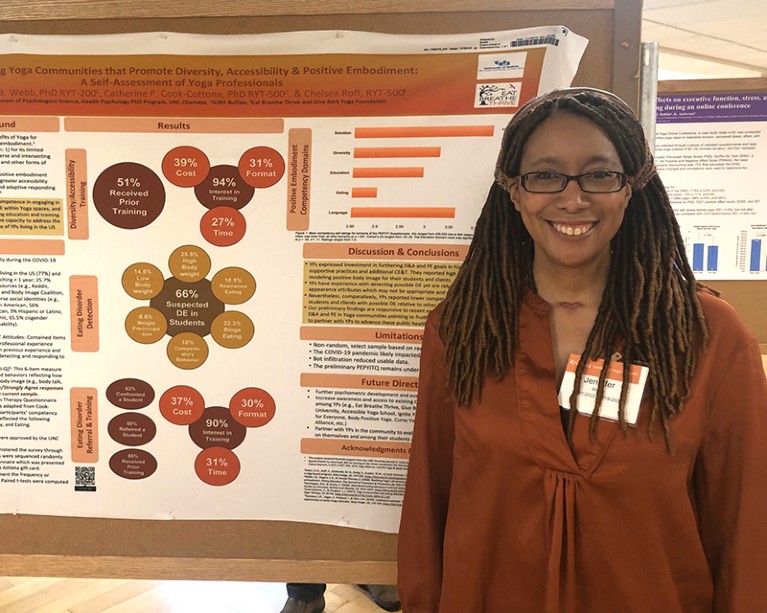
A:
[572,228]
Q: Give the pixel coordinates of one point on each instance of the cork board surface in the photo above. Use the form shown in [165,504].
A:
[274,550]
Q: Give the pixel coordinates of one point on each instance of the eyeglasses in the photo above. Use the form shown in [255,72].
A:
[597,182]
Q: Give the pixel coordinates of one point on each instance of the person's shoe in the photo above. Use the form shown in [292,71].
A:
[385,596]
[293,605]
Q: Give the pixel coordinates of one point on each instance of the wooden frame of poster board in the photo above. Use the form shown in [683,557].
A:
[748,297]
[276,550]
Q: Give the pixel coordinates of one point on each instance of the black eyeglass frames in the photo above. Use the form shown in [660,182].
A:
[595,182]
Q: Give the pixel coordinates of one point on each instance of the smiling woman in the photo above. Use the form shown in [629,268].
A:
[573,332]
[571,227]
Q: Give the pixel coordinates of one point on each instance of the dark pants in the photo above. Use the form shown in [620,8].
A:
[305,592]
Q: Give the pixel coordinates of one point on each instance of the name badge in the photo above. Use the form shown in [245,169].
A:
[608,409]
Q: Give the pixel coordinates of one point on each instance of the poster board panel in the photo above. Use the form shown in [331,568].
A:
[747,296]
[272,550]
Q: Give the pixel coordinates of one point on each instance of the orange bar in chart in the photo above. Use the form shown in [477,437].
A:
[397,152]
[388,173]
[75,166]
[364,192]
[423,131]
[405,211]
[84,424]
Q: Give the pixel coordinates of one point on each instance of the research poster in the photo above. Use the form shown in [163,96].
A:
[711,151]
[217,254]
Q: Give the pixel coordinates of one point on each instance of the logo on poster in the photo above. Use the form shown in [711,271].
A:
[497,95]
[501,65]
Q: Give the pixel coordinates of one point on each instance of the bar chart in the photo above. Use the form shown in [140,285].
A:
[726,252]
[751,256]
[757,259]
[705,257]
[704,249]
[385,155]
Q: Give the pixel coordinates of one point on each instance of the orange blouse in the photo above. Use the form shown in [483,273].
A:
[500,516]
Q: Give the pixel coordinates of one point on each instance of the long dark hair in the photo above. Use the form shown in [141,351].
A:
[649,308]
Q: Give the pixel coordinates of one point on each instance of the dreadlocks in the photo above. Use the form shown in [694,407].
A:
[649,308]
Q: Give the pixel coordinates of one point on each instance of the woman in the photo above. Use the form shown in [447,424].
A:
[514,504]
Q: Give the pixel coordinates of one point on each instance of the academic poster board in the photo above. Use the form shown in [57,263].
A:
[711,151]
[228,548]
[218,255]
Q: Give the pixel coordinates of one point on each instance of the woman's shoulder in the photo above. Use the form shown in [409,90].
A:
[722,320]
[434,319]
[436,311]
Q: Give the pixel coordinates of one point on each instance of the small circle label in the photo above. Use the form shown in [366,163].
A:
[233,285]
[187,350]
[185,166]
[232,329]
[261,166]
[133,464]
[217,466]
[142,281]
[130,393]
[252,407]
[223,226]
[134,429]
[224,187]
[189,263]
[146,325]
[216,428]
[182,405]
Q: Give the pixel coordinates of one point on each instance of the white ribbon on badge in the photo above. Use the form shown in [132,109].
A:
[612,391]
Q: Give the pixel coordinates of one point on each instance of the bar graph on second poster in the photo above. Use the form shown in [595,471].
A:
[756,258]
[705,253]
[752,250]
[703,246]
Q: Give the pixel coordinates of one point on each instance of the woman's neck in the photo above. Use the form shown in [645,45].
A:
[571,289]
